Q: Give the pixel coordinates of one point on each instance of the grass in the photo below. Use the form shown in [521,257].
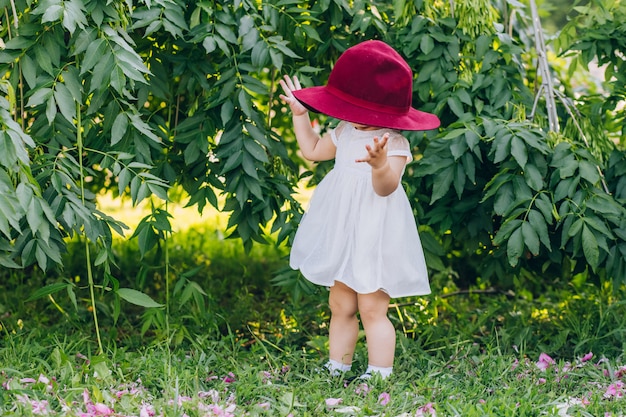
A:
[237,345]
[48,375]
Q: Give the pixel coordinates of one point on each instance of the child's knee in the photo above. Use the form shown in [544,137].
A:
[372,314]
[343,309]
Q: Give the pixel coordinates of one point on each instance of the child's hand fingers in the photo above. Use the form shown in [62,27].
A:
[291,83]
[379,144]
[285,87]
[296,83]
[375,152]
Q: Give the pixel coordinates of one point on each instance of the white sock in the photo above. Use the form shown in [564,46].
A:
[336,367]
[383,372]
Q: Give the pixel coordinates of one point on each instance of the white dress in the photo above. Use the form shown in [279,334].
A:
[351,234]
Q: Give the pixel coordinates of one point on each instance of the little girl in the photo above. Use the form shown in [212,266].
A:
[358,236]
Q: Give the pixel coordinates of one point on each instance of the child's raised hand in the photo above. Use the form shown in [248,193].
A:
[376,154]
[289,85]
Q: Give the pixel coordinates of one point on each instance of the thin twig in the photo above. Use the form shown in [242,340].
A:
[544,69]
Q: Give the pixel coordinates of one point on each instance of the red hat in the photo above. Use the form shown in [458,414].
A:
[370,84]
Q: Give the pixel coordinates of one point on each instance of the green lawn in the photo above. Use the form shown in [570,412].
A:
[232,343]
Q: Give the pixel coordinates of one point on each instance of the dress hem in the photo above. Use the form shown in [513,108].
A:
[328,285]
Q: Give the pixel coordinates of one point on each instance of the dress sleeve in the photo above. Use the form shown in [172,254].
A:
[336,132]
[398,145]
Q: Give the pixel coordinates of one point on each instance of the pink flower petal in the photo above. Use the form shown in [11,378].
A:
[28,380]
[86,399]
[426,410]
[383,399]
[147,410]
[230,378]
[544,362]
[102,410]
[331,402]
[362,389]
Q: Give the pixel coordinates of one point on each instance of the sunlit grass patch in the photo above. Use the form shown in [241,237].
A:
[222,378]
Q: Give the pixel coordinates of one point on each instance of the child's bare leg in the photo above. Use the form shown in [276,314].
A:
[379,331]
[344,325]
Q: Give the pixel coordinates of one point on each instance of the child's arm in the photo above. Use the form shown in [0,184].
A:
[313,147]
[386,171]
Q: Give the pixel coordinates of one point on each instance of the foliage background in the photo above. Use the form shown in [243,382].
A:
[178,102]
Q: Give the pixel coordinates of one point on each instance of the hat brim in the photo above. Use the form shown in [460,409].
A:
[321,100]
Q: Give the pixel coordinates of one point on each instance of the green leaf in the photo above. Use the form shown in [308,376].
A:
[93,55]
[65,101]
[568,166]
[118,130]
[209,44]
[260,54]
[482,45]
[255,150]
[29,70]
[545,206]
[282,47]
[515,247]
[118,80]
[249,166]
[455,105]
[277,59]
[102,72]
[248,33]
[459,180]
[72,82]
[43,59]
[7,262]
[576,227]
[101,257]
[398,9]
[598,225]
[505,231]
[39,97]
[519,151]
[470,166]
[442,183]
[234,160]
[244,103]
[123,180]
[502,145]
[458,146]
[34,216]
[538,222]
[48,290]
[533,177]
[590,247]
[311,33]
[73,15]
[504,199]
[427,44]
[589,172]
[51,109]
[531,240]
[143,127]
[226,33]
[20,43]
[137,298]
[52,13]
[562,189]
[226,111]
